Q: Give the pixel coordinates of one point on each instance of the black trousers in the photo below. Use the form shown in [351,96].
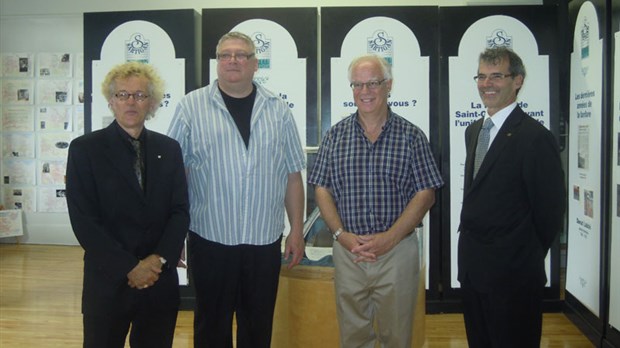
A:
[506,318]
[240,280]
[151,327]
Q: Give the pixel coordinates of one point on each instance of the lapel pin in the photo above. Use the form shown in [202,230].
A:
[159,156]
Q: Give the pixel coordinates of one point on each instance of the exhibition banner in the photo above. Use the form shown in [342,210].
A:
[285,41]
[614,288]
[143,42]
[164,39]
[405,37]
[584,161]
[466,106]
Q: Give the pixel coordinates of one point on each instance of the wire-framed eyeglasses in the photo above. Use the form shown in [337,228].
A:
[124,96]
[494,77]
[372,85]
[240,57]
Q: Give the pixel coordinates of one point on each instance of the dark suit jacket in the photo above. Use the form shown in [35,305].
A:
[118,224]
[514,208]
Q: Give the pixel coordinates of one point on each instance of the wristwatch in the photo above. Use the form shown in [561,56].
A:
[337,233]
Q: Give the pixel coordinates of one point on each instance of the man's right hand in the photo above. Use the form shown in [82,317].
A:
[350,242]
[145,274]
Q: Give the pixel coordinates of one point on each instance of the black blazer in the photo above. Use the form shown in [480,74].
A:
[118,224]
[514,208]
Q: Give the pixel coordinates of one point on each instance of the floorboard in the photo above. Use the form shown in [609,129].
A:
[40,293]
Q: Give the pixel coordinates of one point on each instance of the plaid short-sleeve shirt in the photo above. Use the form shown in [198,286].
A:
[372,183]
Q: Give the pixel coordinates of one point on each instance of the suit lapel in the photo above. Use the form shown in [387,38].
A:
[154,160]
[116,152]
[503,137]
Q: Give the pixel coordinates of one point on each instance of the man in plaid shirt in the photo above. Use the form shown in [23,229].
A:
[375,179]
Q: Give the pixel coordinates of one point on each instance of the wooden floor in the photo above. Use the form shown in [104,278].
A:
[40,292]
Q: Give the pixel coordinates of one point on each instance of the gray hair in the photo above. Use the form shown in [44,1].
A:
[496,55]
[236,35]
[386,68]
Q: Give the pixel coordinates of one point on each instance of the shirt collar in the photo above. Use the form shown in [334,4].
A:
[500,117]
[386,126]
[125,135]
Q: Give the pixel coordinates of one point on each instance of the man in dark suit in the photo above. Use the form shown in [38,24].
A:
[513,209]
[128,205]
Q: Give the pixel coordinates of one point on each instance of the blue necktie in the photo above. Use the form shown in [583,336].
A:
[483,144]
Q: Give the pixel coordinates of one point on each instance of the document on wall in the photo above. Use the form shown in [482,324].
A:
[52,200]
[17,118]
[18,172]
[55,65]
[79,92]
[52,172]
[18,145]
[54,145]
[16,197]
[79,66]
[54,118]
[11,223]
[17,92]
[55,92]
[17,65]
[79,120]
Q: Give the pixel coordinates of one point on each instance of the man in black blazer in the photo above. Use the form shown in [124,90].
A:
[129,210]
[513,209]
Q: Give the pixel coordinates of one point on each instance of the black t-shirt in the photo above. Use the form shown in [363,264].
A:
[241,111]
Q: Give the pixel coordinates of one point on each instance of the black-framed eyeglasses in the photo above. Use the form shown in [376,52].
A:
[240,57]
[358,86]
[124,96]
[494,77]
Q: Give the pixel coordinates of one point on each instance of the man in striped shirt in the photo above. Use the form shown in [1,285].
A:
[243,158]
[375,179]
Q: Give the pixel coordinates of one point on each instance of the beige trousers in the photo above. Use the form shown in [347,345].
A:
[376,300]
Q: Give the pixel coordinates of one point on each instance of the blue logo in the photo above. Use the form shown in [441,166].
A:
[585,39]
[263,50]
[499,38]
[382,44]
[137,49]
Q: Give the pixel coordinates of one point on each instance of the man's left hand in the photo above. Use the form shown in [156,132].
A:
[295,246]
[377,244]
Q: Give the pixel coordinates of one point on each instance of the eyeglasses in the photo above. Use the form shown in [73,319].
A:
[494,77]
[240,57]
[124,96]
[372,85]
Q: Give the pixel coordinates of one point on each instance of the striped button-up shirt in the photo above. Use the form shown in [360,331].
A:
[236,192]
[372,183]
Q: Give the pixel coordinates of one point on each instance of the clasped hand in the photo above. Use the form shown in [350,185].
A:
[146,273]
[368,247]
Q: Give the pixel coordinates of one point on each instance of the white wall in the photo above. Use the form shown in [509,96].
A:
[63,7]
[57,26]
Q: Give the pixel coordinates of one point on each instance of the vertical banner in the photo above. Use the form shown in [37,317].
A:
[614,268]
[614,289]
[584,162]
[468,32]
[143,42]
[164,39]
[406,38]
[285,41]
[466,106]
